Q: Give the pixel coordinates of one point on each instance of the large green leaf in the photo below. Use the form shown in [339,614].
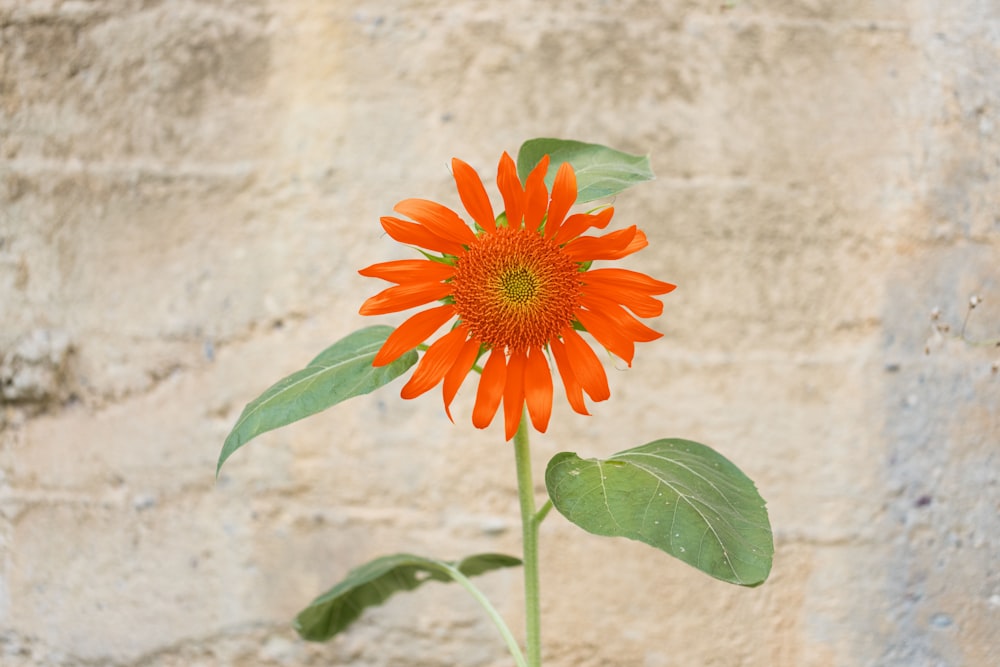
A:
[676,495]
[600,171]
[374,582]
[341,371]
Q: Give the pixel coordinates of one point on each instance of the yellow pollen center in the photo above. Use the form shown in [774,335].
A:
[514,289]
[518,285]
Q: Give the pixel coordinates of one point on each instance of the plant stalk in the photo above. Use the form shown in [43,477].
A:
[529,532]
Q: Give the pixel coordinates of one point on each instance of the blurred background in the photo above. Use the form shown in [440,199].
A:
[187,190]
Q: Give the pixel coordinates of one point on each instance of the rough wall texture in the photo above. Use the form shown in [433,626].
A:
[187,189]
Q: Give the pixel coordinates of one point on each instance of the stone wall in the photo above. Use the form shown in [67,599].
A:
[187,190]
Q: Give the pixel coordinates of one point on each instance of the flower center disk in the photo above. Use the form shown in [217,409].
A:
[519,285]
[515,290]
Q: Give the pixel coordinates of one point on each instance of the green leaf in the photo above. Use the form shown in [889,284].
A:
[676,495]
[373,583]
[600,171]
[341,371]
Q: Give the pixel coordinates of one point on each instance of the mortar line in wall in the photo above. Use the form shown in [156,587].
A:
[706,182]
[795,538]
[244,168]
[131,499]
[23,501]
[773,21]
[770,357]
[211,640]
[131,168]
[82,14]
[181,365]
[736,16]
[180,644]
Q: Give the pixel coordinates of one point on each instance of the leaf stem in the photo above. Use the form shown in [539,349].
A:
[529,532]
[491,611]
[543,512]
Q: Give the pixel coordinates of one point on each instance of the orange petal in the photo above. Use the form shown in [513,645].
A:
[639,303]
[490,390]
[629,288]
[609,246]
[513,393]
[454,378]
[581,222]
[441,220]
[412,332]
[637,244]
[402,297]
[414,233]
[473,194]
[538,389]
[621,318]
[607,334]
[438,358]
[614,277]
[409,271]
[574,392]
[586,366]
[563,196]
[510,188]
[536,195]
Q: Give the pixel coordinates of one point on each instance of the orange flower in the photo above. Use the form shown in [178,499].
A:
[517,287]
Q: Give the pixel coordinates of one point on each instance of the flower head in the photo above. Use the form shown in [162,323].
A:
[518,288]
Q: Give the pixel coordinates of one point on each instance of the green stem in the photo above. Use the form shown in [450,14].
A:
[529,532]
[543,512]
[491,611]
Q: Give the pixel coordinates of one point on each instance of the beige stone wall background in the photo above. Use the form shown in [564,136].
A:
[188,188]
